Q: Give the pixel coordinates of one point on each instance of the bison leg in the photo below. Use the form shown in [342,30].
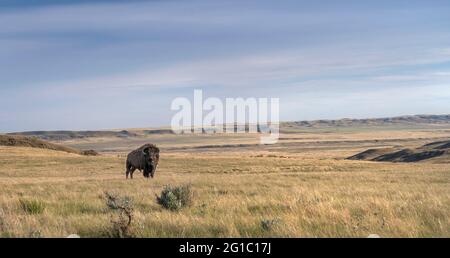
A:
[132,171]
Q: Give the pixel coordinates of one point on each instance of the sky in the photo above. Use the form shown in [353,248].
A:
[86,65]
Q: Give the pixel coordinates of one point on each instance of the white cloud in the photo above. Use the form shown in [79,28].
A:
[285,68]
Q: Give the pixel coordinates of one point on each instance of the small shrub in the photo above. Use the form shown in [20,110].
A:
[32,206]
[124,207]
[35,234]
[270,224]
[175,198]
[89,153]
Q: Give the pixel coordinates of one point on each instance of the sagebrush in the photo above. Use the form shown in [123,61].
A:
[124,206]
[176,197]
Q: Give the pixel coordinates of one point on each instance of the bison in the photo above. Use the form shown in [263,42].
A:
[145,159]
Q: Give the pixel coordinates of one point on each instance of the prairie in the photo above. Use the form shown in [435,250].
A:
[301,187]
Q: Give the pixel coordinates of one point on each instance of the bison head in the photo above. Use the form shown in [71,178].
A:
[151,157]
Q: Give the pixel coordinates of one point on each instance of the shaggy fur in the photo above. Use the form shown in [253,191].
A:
[144,159]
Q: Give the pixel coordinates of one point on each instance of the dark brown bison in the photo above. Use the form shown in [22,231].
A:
[145,159]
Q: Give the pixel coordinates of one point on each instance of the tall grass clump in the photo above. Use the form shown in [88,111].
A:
[32,206]
[174,198]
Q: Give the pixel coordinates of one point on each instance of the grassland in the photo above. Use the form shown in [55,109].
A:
[301,187]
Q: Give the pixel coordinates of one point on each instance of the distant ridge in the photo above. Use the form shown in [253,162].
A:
[70,135]
[285,127]
[67,135]
[24,141]
[413,119]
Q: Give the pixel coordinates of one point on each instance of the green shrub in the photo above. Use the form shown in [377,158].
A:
[175,198]
[32,206]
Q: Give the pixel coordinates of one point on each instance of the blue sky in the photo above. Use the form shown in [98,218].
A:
[118,64]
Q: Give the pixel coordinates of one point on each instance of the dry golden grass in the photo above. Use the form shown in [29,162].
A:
[315,193]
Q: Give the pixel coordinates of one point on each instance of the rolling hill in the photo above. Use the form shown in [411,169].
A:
[428,151]
[24,141]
